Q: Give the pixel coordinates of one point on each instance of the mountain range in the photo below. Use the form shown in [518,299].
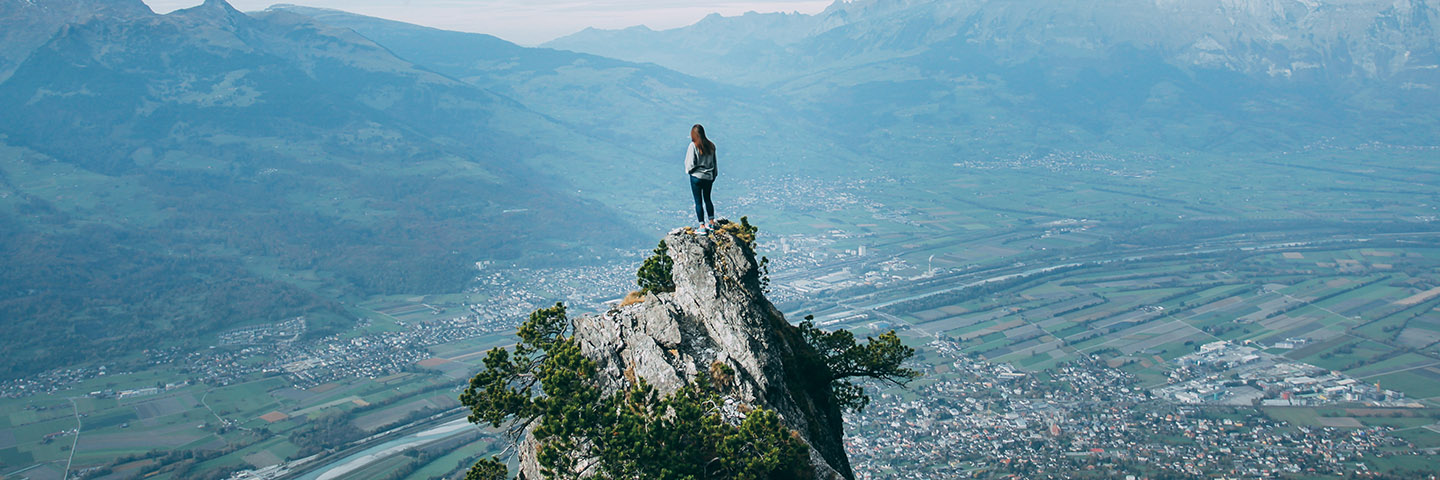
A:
[1314,40]
[1242,75]
[165,176]
[174,174]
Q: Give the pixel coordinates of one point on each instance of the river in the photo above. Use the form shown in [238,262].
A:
[358,460]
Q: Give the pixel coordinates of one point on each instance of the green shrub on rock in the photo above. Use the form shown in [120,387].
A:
[654,275]
[545,383]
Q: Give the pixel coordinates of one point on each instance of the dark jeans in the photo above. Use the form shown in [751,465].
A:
[700,189]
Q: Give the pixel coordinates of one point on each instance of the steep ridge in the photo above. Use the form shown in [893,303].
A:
[223,151]
[27,24]
[235,100]
[117,84]
[717,315]
[642,108]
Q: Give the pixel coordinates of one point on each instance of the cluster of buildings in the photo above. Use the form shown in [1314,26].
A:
[137,392]
[1133,166]
[796,194]
[972,418]
[286,331]
[335,358]
[377,354]
[1222,373]
[215,366]
[510,297]
[49,381]
[512,293]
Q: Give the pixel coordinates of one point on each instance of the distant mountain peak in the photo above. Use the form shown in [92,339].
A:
[304,10]
[213,11]
[214,5]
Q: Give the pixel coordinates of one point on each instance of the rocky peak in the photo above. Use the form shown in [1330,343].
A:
[25,25]
[217,13]
[717,315]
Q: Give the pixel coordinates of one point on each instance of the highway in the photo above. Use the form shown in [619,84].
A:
[326,466]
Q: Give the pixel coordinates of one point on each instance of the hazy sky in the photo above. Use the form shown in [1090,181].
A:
[529,22]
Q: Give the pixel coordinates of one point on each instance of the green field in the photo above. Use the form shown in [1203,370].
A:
[115,432]
[1152,310]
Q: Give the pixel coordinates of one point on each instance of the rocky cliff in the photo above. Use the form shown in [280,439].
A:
[717,315]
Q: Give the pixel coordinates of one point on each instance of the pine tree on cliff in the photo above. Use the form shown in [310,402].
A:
[547,390]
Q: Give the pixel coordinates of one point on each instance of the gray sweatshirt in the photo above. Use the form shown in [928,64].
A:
[700,166]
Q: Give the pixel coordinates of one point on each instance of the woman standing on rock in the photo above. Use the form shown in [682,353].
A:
[700,164]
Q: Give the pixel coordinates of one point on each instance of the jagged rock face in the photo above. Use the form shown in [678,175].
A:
[27,24]
[717,314]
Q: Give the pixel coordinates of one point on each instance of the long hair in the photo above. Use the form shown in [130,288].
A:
[706,146]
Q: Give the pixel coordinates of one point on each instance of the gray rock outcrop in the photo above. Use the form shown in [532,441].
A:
[717,314]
